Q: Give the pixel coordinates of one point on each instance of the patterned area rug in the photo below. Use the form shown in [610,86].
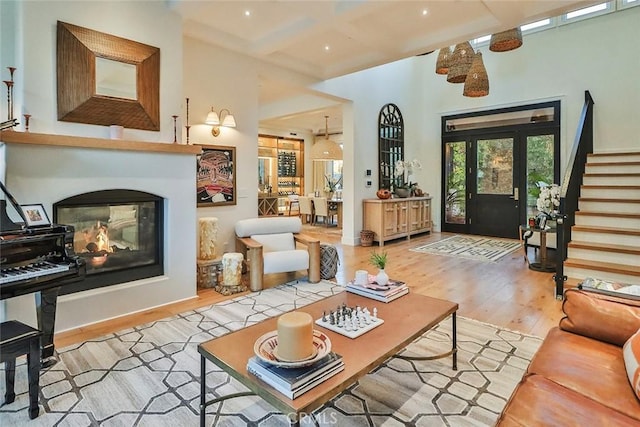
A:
[149,375]
[472,247]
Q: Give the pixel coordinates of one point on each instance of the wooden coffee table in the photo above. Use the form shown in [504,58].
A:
[405,319]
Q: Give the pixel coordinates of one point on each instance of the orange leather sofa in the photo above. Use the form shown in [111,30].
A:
[578,376]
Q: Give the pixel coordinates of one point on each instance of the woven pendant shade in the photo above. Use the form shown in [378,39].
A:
[460,63]
[444,58]
[477,82]
[506,40]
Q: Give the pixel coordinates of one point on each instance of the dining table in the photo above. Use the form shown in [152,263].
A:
[333,203]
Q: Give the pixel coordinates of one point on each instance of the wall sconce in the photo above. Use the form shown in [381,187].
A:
[213,119]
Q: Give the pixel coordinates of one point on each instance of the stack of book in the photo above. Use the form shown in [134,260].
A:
[392,290]
[292,382]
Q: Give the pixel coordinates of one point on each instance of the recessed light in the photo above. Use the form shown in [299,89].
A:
[327,48]
[247,13]
[425,12]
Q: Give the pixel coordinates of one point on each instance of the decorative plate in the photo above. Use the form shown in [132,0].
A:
[266,346]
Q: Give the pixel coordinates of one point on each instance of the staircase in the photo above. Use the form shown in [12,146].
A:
[605,240]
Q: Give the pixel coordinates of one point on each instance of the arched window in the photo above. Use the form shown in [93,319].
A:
[390,145]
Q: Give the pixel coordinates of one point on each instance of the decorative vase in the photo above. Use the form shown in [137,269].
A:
[402,192]
[383,194]
[382,278]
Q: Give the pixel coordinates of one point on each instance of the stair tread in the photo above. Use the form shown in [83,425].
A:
[605,247]
[634,163]
[599,229]
[616,174]
[608,200]
[604,266]
[610,187]
[616,153]
[607,214]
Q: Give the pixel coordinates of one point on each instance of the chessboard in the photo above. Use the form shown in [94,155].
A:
[350,321]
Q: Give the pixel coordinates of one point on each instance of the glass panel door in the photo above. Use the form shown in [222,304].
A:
[455,183]
[495,202]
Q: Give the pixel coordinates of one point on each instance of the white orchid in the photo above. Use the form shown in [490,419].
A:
[405,169]
[549,198]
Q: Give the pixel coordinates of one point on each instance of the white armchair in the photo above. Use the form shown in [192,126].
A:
[269,246]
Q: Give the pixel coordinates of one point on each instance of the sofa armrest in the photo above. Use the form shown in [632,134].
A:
[607,318]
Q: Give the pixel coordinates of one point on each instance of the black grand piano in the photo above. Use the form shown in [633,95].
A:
[38,260]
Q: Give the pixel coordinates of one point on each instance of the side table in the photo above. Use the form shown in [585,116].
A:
[545,265]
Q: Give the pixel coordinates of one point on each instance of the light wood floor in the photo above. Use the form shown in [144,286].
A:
[505,293]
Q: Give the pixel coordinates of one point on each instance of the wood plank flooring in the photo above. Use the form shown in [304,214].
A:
[505,293]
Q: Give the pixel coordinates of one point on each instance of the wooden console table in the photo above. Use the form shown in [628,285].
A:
[394,218]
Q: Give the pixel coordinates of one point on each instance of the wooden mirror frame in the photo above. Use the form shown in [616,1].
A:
[78,102]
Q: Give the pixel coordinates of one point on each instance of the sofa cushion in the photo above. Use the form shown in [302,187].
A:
[592,368]
[612,319]
[540,402]
[631,355]
[275,242]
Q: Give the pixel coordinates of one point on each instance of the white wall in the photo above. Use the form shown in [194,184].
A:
[221,79]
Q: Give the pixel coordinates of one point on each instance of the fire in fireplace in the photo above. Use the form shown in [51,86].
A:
[119,232]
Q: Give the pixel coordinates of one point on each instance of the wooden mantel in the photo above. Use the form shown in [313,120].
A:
[14,137]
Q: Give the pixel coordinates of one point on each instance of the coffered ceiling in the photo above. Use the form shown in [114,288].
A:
[329,38]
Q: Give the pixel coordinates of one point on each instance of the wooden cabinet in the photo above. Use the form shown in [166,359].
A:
[395,218]
[267,206]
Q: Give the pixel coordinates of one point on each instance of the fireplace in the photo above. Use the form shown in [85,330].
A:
[119,233]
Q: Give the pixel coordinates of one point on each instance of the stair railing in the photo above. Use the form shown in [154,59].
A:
[570,189]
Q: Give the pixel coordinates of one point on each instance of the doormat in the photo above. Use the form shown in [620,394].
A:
[471,247]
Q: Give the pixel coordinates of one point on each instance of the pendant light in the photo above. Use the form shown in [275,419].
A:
[326,149]
[506,40]
[444,58]
[460,63]
[477,81]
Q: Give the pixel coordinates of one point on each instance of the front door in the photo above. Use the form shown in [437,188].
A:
[494,193]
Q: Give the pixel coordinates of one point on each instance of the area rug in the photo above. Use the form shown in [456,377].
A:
[150,375]
[471,247]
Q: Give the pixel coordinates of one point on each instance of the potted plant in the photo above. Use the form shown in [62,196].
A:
[379,259]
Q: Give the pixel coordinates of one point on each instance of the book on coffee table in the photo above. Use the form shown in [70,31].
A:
[392,290]
[294,381]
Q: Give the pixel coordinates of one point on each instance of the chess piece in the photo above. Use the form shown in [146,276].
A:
[375,313]
[324,316]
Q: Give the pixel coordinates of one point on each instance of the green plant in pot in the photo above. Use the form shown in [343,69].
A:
[379,259]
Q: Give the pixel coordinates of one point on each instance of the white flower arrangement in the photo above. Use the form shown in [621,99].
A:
[549,198]
[404,169]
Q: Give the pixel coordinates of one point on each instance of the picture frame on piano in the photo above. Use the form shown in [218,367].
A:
[35,215]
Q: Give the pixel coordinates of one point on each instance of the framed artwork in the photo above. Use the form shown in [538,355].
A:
[35,215]
[216,176]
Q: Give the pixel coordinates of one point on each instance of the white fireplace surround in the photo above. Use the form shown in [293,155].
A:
[47,174]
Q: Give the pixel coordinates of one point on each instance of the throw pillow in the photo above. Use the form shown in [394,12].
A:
[631,355]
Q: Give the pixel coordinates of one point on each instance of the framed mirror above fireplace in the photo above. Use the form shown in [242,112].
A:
[107,80]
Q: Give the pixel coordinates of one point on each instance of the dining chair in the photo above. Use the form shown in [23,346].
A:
[292,200]
[306,208]
[322,208]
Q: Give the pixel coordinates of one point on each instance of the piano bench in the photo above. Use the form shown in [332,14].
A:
[17,339]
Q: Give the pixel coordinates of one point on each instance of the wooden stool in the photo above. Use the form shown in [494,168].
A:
[17,339]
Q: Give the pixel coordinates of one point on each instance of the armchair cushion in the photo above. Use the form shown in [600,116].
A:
[275,242]
[253,226]
[278,262]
